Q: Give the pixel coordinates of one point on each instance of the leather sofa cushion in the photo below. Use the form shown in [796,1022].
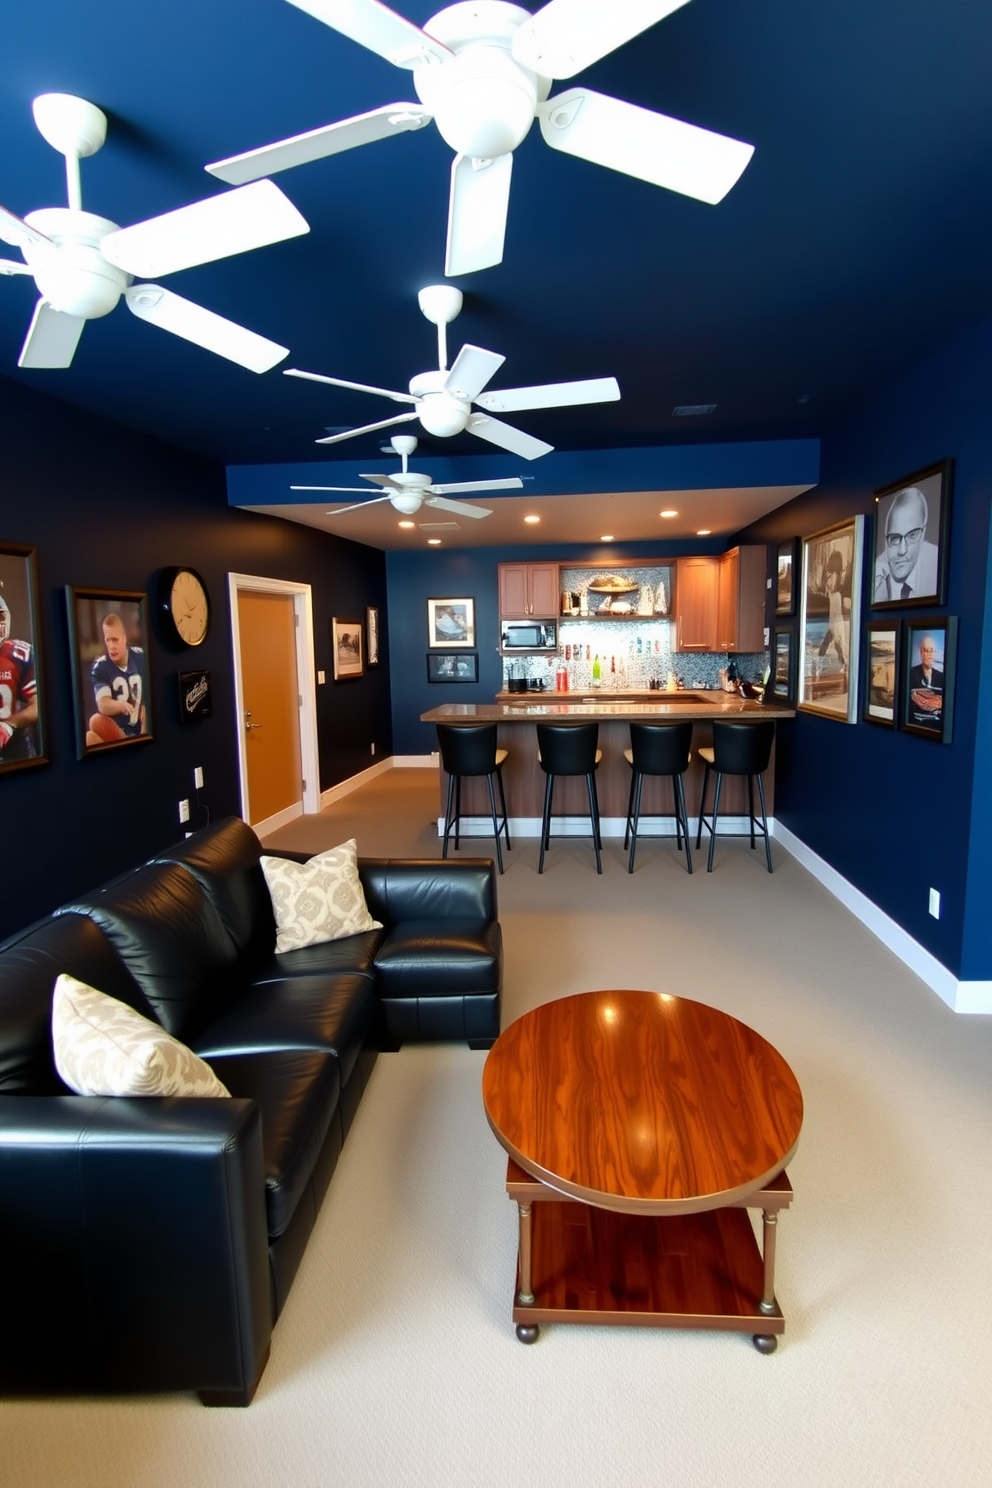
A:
[171,939]
[299,1013]
[224,859]
[354,955]
[297,1095]
[419,889]
[439,958]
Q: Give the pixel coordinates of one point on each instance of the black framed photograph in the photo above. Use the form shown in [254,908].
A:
[912,529]
[108,644]
[927,691]
[346,649]
[22,711]
[454,666]
[372,634]
[785,585]
[782,682]
[830,604]
[195,696]
[450,623]
[881,680]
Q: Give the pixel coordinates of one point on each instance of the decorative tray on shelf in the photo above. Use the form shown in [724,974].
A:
[612,586]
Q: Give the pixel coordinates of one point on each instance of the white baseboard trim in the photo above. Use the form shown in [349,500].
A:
[280,819]
[416,761]
[578,826]
[962,997]
[345,787]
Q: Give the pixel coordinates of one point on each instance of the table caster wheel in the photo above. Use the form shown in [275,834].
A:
[765,1343]
[528,1332]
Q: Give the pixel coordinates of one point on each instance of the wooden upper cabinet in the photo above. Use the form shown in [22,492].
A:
[528,591]
[696,595]
[741,600]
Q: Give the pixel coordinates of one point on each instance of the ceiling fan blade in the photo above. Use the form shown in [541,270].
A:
[357,506]
[15,231]
[511,483]
[507,437]
[381,480]
[478,199]
[403,418]
[377,27]
[565,36]
[652,147]
[317,144]
[170,312]
[472,369]
[52,338]
[552,395]
[354,490]
[11,266]
[231,222]
[356,387]
[460,508]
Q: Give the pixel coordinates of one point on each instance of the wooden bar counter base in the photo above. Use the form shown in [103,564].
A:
[640,1128]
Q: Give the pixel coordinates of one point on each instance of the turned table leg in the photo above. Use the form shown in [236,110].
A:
[766,1343]
[526,1332]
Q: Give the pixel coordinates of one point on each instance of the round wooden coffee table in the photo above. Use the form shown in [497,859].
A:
[640,1128]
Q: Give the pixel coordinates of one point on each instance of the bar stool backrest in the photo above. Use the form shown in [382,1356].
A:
[568,749]
[742,748]
[467,751]
[660,748]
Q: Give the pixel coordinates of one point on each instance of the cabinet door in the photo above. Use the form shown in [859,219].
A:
[513,591]
[544,597]
[751,594]
[728,593]
[696,604]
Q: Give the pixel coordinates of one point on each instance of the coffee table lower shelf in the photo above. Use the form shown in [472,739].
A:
[592,1265]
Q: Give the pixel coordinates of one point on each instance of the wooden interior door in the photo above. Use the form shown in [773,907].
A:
[267,625]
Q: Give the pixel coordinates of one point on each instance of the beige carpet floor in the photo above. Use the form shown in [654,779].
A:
[395,1361]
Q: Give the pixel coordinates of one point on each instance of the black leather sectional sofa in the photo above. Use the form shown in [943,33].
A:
[149,1244]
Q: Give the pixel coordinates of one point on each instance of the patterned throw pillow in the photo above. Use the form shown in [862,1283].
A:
[103,1047]
[321,899]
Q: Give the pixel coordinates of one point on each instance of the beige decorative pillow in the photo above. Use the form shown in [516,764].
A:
[103,1047]
[321,899]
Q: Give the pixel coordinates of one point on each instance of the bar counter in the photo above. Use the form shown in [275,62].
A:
[517,714]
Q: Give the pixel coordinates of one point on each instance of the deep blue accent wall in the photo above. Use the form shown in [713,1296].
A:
[106,507]
[893,813]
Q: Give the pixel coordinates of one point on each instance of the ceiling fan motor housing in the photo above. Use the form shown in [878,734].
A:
[442,413]
[73,275]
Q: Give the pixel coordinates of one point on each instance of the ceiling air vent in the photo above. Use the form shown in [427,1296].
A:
[692,410]
[439,526]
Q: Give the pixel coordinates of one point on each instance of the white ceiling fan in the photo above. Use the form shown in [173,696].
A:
[443,400]
[483,71]
[408,490]
[83,264]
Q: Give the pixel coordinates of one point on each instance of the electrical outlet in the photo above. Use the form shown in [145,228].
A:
[935,903]
[198,777]
[321,679]
[184,811]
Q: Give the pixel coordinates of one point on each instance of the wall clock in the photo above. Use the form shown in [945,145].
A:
[184,606]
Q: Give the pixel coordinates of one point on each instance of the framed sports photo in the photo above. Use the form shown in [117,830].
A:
[453,666]
[927,690]
[830,604]
[450,623]
[346,649]
[782,682]
[785,578]
[22,705]
[108,646]
[912,528]
[882,660]
[372,634]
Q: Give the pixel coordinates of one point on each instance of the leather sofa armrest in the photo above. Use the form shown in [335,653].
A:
[133,1245]
[429,889]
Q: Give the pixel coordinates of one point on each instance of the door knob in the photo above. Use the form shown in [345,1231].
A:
[249,725]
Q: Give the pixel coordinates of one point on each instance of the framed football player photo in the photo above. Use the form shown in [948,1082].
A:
[22,707]
[108,644]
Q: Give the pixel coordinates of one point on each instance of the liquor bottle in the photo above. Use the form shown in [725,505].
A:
[597,672]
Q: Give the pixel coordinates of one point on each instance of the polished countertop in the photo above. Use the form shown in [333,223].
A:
[637,707]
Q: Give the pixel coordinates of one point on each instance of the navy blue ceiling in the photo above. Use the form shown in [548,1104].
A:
[857,240]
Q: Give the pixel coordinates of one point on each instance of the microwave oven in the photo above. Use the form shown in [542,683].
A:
[530,635]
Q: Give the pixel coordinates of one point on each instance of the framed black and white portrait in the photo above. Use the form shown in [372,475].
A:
[912,526]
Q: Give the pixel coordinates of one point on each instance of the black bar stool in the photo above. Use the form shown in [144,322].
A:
[658,749]
[738,749]
[472,751]
[569,749]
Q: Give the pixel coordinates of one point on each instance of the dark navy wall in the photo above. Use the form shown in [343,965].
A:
[896,814]
[471,573]
[106,507]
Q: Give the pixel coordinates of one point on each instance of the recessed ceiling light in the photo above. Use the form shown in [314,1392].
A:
[406,524]
[433,542]
[668,514]
[704,532]
[608,537]
[532,520]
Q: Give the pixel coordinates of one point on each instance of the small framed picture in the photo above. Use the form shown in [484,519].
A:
[346,649]
[785,587]
[927,690]
[372,634]
[195,696]
[450,623]
[912,524]
[22,709]
[108,644]
[882,658]
[452,666]
[782,683]
[830,605]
